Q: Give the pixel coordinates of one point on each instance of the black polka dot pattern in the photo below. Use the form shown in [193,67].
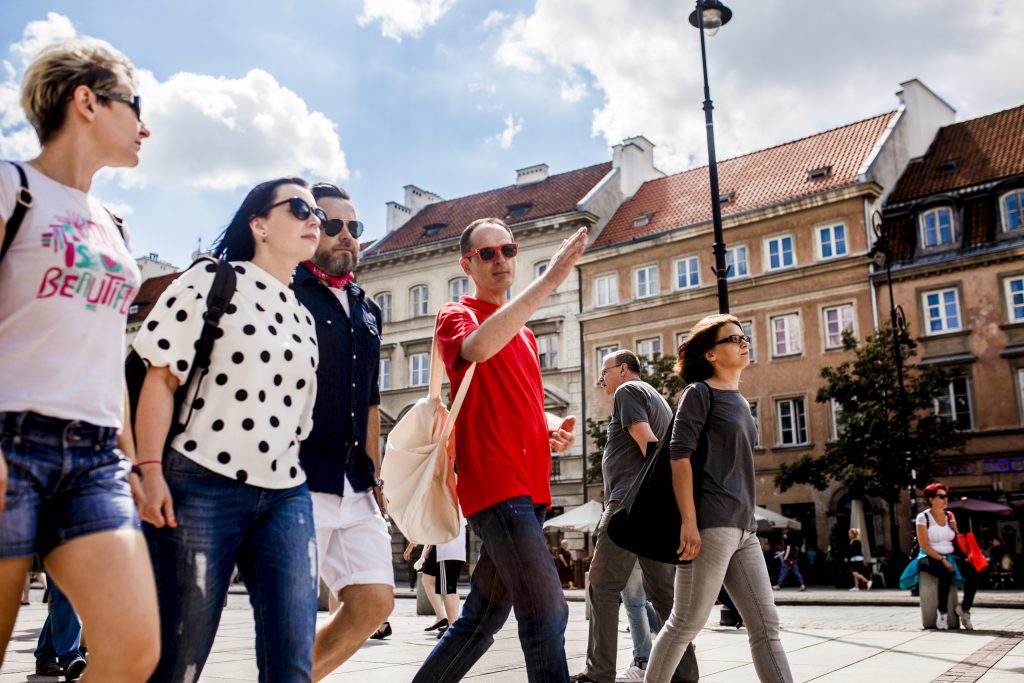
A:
[260,391]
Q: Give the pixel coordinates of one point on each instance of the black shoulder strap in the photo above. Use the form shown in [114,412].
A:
[217,300]
[22,203]
[118,223]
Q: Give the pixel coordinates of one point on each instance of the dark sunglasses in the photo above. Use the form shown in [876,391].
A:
[943,496]
[733,339]
[333,226]
[299,207]
[488,253]
[133,101]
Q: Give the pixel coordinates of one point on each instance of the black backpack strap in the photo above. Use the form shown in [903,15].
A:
[217,301]
[23,202]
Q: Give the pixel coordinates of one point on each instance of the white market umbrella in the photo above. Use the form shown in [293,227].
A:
[768,520]
[583,518]
[859,521]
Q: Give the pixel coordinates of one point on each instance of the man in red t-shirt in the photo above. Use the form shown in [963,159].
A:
[503,456]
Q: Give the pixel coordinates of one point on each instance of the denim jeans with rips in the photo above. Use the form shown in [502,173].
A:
[222,522]
[514,571]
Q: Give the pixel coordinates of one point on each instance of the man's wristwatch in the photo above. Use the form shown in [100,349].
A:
[378,482]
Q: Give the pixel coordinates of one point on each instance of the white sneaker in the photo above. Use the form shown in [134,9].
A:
[631,674]
[869,584]
[854,589]
[940,622]
[965,618]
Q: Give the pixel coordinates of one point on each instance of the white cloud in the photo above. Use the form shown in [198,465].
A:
[493,19]
[207,132]
[774,77]
[486,88]
[513,125]
[572,91]
[403,17]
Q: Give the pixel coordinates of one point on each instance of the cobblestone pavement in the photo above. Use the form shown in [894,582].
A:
[832,643]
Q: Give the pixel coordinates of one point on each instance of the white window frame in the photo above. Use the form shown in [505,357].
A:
[680,338]
[384,301]
[384,374]
[846,317]
[1020,392]
[946,405]
[645,348]
[419,369]
[610,283]
[941,314]
[651,287]
[793,338]
[730,260]
[923,228]
[757,423]
[830,230]
[797,408]
[835,410]
[779,240]
[748,329]
[419,306]
[454,289]
[605,351]
[1014,300]
[539,268]
[547,351]
[685,270]
[1004,218]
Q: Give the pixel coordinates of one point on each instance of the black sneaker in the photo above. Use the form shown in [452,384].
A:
[75,670]
[48,668]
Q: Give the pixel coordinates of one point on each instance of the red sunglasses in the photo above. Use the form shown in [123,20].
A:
[488,253]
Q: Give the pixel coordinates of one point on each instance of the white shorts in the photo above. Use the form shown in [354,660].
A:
[353,543]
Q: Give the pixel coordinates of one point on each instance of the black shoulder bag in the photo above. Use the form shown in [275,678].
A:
[217,300]
[22,204]
[648,521]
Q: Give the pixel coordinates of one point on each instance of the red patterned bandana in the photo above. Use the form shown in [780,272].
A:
[329,280]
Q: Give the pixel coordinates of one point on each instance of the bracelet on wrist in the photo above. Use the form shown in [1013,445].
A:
[149,462]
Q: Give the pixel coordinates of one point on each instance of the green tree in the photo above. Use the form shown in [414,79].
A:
[868,458]
[659,372]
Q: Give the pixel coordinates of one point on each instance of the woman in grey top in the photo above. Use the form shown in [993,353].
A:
[717,532]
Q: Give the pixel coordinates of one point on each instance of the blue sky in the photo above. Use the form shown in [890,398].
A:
[454,95]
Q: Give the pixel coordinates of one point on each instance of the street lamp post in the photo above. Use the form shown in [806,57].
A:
[710,16]
[881,256]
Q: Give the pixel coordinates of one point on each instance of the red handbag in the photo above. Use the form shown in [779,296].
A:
[969,545]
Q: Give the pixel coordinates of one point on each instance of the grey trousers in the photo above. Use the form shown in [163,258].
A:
[609,571]
[733,557]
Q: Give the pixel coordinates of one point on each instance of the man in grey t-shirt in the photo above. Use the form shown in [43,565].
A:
[640,418]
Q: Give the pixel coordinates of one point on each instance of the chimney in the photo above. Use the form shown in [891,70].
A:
[925,113]
[416,198]
[396,217]
[531,174]
[634,159]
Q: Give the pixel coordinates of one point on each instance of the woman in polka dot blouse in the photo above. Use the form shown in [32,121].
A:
[230,489]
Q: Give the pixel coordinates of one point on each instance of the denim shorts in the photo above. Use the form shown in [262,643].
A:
[65,479]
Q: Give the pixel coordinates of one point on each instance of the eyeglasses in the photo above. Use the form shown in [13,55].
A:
[133,101]
[606,370]
[943,496]
[488,253]
[299,207]
[733,339]
[333,226]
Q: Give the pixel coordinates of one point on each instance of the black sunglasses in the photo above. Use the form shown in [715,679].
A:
[487,253]
[133,101]
[943,496]
[733,339]
[333,226]
[299,207]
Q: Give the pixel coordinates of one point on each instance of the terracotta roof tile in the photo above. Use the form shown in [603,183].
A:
[753,180]
[149,292]
[556,195]
[982,149]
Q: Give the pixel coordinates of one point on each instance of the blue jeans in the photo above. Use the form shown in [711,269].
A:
[65,479]
[786,569]
[514,571]
[62,632]
[269,534]
[640,615]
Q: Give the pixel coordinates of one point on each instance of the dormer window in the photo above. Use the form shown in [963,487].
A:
[819,173]
[949,166]
[1011,206]
[937,229]
[515,210]
[434,228]
[642,220]
[727,198]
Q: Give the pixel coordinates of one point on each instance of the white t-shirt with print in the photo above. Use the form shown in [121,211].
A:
[940,538]
[256,403]
[65,287]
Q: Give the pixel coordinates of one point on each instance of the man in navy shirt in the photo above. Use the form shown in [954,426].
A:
[341,456]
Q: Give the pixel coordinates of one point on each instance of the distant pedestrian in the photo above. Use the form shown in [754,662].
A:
[790,561]
[427,567]
[718,531]
[59,649]
[230,489]
[564,560]
[451,556]
[855,561]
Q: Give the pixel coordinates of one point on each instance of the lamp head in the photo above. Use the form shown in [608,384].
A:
[714,14]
